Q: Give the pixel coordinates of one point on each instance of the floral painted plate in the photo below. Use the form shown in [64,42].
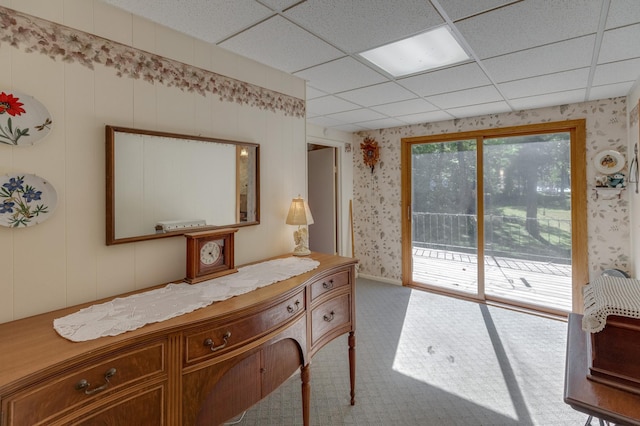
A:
[608,161]
[23,119]
[25,200]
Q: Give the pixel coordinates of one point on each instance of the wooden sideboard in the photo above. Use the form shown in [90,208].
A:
[589,396]
[200,368]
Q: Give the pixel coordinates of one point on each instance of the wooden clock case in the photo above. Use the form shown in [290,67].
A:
[196,270]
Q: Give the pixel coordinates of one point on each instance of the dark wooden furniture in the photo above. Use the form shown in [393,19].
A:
[591,397]
[204,367]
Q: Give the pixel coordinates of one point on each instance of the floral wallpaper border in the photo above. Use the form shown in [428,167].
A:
[71,45]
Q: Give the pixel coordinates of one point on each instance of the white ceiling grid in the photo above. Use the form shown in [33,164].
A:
[525,53]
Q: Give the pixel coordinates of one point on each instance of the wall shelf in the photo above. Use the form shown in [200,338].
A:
[606,193]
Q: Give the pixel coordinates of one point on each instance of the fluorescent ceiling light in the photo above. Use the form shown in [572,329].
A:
[433,49]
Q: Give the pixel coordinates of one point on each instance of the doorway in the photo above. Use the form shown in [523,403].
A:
[522,240]
[322,194]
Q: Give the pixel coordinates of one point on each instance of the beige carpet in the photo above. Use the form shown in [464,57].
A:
[425,359]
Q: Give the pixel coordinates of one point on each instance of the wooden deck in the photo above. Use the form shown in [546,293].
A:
[543,284]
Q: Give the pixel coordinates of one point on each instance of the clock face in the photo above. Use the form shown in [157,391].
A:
[210,253]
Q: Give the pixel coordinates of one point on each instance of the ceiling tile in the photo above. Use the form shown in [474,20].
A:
[350,128]
[551,58]
[446,80]
[610,90]
[458,9]
[279,4]
[558,82]
[314,93]
[195,17]
[558,98]
[377,94]
[358,25]
[405,107]
[476,110]
[384,123]
[327,105]
[616,72]
[622,12]
[323,121]
[530,23]
[620,44]
[357,116]
[426,117]
[340,75]
[478,95]
[281,44]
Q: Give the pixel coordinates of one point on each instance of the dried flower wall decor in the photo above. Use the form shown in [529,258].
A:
[370,152]
[71,45]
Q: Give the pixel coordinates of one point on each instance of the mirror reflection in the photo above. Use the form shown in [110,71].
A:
[164,184]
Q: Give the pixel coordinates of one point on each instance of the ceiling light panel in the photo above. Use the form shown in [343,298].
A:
[432,49]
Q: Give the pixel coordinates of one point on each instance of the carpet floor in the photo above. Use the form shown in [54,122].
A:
[426,359]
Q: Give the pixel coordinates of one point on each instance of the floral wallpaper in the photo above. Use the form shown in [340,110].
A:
[376,205]
[71,45]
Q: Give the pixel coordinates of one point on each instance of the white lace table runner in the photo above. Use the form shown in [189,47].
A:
[609,296]
[129,313]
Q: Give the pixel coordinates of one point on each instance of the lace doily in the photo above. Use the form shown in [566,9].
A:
[609,296]
[129,313]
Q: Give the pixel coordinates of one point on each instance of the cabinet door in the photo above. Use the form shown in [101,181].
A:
[279,361]
[214,394]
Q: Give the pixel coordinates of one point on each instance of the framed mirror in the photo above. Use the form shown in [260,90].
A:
[165,184]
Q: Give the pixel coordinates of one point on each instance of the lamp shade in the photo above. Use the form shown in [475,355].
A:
[299,213]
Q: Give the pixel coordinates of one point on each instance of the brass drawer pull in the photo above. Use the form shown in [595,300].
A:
[329,318]
[84,384]
[291,309]
[327,286]
[213,347]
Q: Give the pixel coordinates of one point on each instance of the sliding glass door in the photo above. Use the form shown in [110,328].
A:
[521,241]
[445,232]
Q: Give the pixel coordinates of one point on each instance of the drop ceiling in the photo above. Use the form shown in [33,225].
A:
[524,54]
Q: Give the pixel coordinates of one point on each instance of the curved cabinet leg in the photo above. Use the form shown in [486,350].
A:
[352,365]
[305,375]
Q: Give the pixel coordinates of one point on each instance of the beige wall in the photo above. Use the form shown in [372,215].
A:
[377,195]
[64,260]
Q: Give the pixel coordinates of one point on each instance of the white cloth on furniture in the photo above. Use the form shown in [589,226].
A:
[124,314]
[609,296]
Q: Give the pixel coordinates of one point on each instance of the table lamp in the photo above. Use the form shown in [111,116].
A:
[299,214]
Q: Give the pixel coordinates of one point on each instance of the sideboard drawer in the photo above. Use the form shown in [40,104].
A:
[60,393]
[222,337]
[329,316]
[329,283]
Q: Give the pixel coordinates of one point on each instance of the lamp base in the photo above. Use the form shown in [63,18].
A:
[301,238]
[301,251]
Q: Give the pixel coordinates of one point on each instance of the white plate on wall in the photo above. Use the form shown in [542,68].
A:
[608,161]
[23,119]
[25,200]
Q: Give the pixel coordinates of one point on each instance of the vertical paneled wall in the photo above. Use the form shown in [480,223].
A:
[64,260]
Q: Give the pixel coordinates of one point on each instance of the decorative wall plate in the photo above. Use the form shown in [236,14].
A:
[608,161]
[23,120]
[25,200]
